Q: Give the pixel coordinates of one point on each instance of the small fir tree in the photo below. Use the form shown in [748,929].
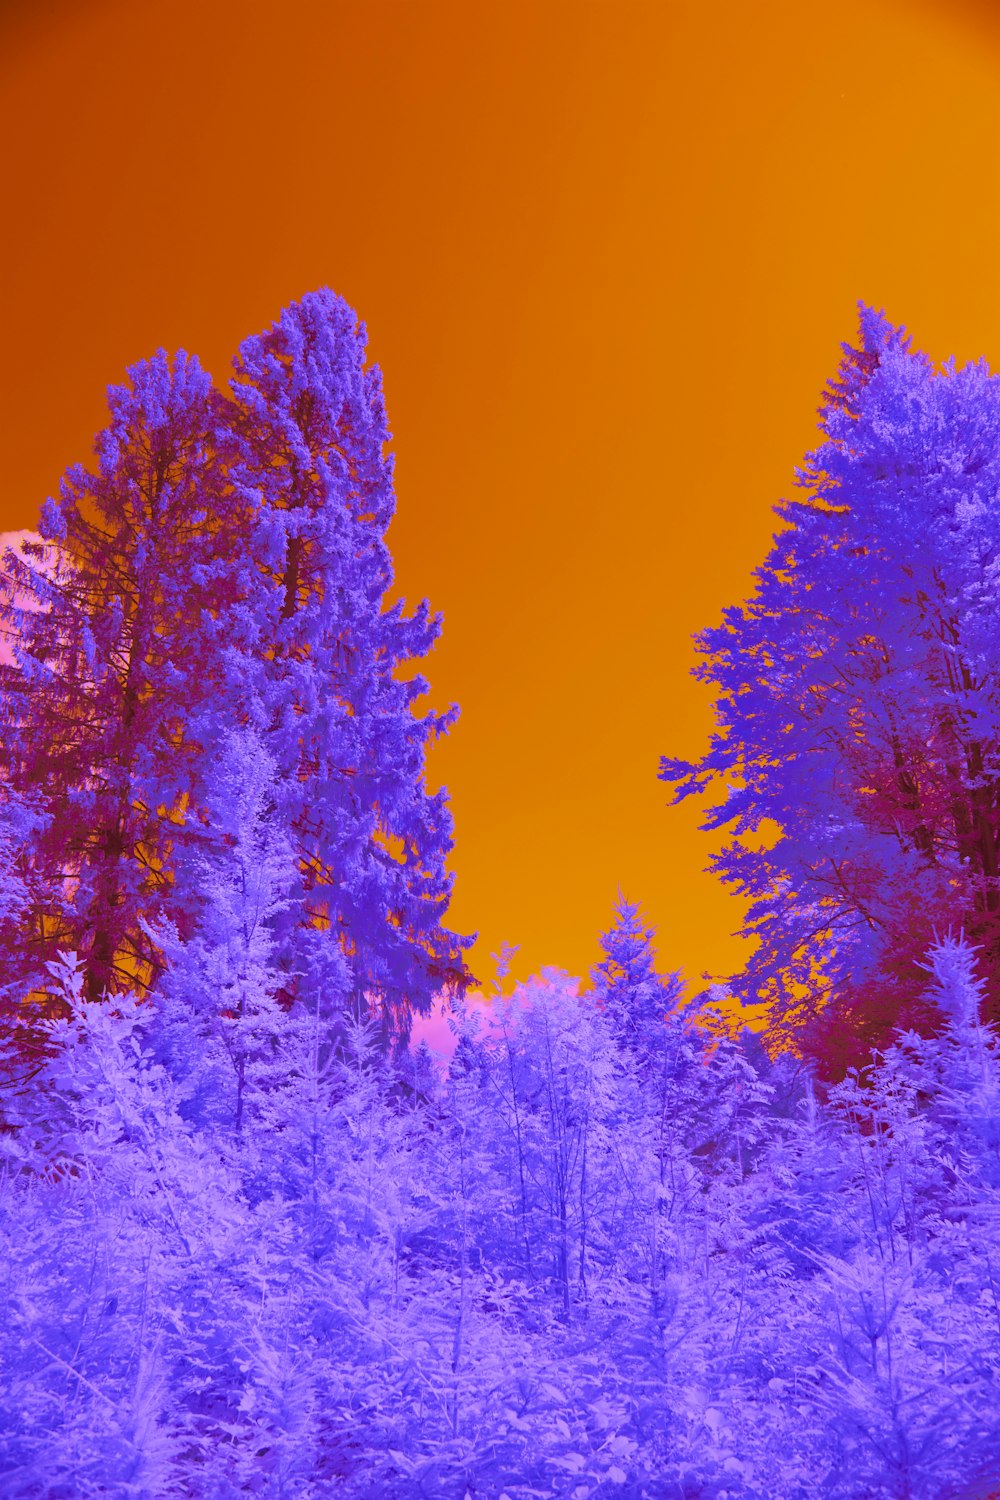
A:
[633,996]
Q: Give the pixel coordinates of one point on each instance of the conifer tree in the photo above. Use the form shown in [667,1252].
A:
[112,619]
[858,702]
[370,840]
[633,996]
[224,567]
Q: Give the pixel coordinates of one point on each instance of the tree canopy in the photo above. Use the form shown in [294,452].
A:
[223,570]
[601,1244]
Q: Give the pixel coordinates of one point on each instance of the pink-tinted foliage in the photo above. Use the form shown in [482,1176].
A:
[224,567]
[114,624]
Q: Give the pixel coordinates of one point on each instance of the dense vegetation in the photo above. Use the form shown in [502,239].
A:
[256,1242]
[205,612]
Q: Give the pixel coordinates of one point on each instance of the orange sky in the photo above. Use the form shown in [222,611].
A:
[606,253]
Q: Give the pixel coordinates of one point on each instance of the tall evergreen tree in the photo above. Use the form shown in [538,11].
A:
[370,840]
[224,567]
[858,703]
[112,619]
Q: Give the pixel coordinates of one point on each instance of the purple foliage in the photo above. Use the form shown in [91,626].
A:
[370,840]
[247,1249]
[632,995]
[858,706]
[549,1272]
[111,661]
[222,570]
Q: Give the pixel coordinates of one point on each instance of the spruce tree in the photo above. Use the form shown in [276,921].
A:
[112,618]
[224,568]
[858,706]
[370,840]
[633,996]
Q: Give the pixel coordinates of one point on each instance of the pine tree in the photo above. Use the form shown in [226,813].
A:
[112,619]
[858,703]
[224,567]
[370,840]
